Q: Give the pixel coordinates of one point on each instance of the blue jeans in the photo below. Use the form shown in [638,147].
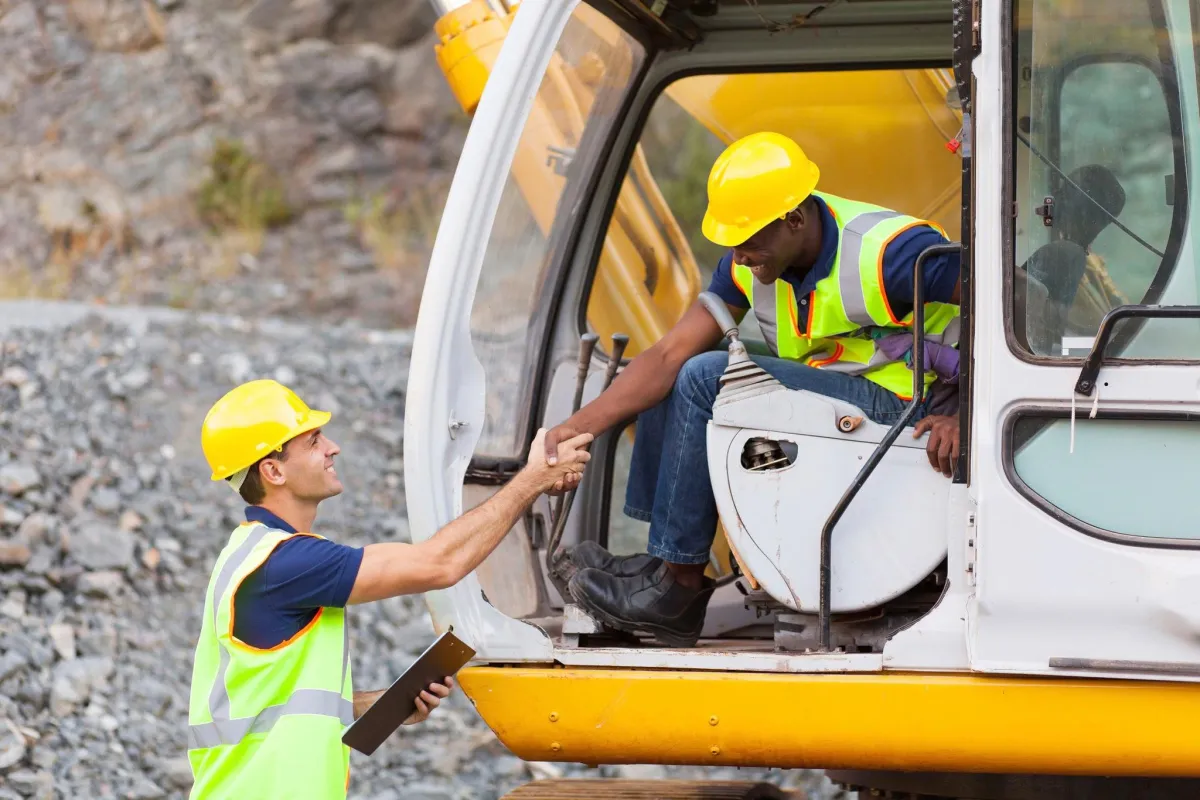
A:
[669,485]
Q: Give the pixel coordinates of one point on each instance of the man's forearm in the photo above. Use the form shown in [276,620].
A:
[642,384]
[364,700]
[466,541]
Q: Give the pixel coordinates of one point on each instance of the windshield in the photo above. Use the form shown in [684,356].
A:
[1102,180]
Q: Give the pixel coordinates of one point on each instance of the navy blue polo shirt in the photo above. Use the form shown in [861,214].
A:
[941,272]
[301,576]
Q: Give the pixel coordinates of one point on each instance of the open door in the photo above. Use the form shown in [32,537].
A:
[554,93]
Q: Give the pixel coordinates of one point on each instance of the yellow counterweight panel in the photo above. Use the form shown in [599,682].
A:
[941,723]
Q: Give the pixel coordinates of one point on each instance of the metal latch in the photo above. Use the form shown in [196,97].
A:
[1046,211]
[559,159]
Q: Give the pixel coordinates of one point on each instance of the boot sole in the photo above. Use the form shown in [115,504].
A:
[660,634]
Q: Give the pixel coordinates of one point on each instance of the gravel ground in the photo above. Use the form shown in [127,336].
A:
[109,528]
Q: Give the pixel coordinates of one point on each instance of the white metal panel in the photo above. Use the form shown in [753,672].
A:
[1043,589]
[446,382]
[938,640]
[890,538]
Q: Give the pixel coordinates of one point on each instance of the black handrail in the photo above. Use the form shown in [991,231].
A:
[918,396]
[1091,365]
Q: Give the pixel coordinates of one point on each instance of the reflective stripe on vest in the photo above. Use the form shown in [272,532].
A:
[241,696]
[848,310]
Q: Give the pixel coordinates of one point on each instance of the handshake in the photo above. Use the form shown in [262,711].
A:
[556,467]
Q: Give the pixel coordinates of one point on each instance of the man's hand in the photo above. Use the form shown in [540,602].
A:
[428,700]
[943,442]
[562,470]
[554,437]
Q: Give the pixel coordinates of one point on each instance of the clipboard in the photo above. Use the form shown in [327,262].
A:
[444,658]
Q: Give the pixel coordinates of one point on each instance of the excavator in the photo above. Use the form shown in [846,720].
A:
[1028,628]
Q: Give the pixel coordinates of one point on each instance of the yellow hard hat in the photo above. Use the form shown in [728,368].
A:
[759,178]
[250,422]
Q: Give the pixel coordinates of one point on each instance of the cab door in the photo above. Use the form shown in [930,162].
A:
[551,100]
[1086,553]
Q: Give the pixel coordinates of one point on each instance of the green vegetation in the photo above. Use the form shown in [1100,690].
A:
[400,234]
[241,192]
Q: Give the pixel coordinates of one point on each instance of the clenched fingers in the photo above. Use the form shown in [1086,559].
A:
[947,450]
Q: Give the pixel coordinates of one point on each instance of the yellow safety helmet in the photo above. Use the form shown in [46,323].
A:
[250,422]
[758,179]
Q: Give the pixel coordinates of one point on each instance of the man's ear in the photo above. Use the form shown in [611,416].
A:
[271,472]
[796,219]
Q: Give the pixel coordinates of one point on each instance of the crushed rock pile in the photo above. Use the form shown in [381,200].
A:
[109,528]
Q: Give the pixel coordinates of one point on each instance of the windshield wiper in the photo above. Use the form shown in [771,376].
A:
[1094,201]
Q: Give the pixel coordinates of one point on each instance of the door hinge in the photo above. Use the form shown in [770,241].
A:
[976,12]
[969,560]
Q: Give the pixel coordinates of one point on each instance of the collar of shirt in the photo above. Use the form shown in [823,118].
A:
[260,514]
[804,283]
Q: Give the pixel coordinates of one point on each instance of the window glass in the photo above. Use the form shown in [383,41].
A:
[1131,477]
[1101,184]
[593,67]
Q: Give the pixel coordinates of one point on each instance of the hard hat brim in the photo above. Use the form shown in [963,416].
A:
[309,422]
[731,235]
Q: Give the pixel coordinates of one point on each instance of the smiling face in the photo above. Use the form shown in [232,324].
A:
[793,241]
[306,470]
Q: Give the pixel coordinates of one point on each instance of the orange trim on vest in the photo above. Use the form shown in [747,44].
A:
[745,290]
[879,272]
[233,607]
[837,354]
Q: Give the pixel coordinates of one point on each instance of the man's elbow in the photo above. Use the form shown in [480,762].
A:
[444,575]
[445,569]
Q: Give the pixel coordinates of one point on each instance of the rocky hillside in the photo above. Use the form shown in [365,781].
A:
[257,156]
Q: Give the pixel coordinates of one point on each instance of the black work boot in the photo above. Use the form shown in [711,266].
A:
[650,602]
[590,555]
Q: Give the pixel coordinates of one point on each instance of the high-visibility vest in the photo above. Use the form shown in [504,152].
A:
[848,311]
[267,723]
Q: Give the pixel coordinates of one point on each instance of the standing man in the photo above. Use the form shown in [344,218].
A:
[830,281]
[271,685]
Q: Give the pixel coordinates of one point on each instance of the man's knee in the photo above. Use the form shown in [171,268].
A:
[698,378]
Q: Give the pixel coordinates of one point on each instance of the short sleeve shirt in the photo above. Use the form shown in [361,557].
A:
[302,575]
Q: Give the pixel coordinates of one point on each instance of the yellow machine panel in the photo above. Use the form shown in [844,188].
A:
[940,723]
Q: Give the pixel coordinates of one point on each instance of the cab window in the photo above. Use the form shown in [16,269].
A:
[1101,183]
[593,67]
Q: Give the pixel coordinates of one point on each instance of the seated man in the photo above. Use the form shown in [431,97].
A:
[830,282]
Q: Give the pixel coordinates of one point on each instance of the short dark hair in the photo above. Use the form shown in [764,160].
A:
[252,490]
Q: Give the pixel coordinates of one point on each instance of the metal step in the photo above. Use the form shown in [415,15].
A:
[623,789]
